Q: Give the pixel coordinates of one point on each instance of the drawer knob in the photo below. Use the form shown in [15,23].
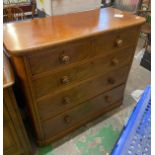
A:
[66,100]
[65,59]
[65,80]
[67,119]
[114,62]
[107,98]
[119,42]
[111,80]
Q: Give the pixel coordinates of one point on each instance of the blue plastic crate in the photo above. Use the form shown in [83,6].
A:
[135,138]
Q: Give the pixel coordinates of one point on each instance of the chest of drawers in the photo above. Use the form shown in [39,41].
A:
[72,68]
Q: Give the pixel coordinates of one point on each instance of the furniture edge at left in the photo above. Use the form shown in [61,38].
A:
[15,140]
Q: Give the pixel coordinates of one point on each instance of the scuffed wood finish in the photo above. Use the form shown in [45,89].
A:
[80,51]
[60,57]
[69,65]
[14,139]
[51,31]
[70,76]
[79,115]
[56,103]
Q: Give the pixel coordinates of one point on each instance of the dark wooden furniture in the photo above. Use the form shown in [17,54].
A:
[72,68]
[146,60]
[28,7]
[15,140]
[13,13]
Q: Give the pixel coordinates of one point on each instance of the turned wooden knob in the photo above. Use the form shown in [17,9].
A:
[65,59]
[107,98]
[65,80]
[114,62]
[119,42]
[66,100]
[67,119]
[111,80]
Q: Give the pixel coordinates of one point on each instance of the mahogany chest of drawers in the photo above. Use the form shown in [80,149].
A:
[15,141]
[72,68]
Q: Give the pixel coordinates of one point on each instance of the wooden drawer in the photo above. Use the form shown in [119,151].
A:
[59,57]
[115,40]
[70,97]
[76,52]
[59,80]
[77,116]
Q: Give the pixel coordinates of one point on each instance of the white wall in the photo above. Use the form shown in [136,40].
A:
[58,7]
[67,6]
[46,6]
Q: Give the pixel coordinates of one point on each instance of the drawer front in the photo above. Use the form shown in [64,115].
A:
[115,40]
[88,110]
[59,57]
[66,99]
[76,52]
[59,80]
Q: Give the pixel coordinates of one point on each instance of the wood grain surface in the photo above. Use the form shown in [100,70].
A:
[15,139]
[51,31]
[8,76]
[66,64]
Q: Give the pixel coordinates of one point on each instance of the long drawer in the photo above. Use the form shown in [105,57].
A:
[53,59]
[70,97]
[78,115]
[57,81]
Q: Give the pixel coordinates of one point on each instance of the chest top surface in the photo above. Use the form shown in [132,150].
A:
[25,37]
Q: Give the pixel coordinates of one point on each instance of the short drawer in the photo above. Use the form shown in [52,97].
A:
[59,57]
[64,55]
[59,80]
[115,40]
[76,116]
[70,97]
